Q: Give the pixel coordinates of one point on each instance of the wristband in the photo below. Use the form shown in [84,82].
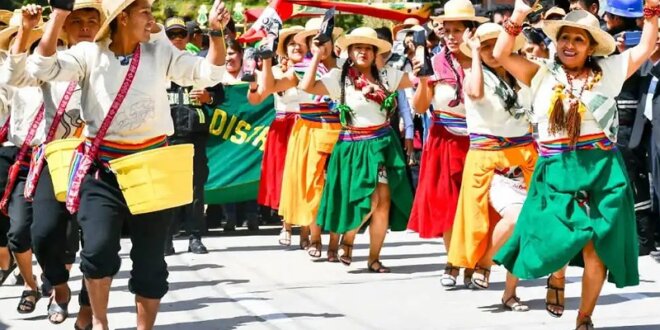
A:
[512,28]
[651,12]
[217,33]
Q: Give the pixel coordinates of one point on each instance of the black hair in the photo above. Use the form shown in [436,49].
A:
[231,26]
[501,10]
[384,34]
[459,82]
[234,45]
[287,40]
[534,36]
[587,3]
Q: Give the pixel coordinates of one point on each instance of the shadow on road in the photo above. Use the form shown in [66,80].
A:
[184,305]
[188,285]
[235,322]
[408,269]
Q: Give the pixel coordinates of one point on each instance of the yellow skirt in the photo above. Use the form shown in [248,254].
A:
[309,147]
[475,218]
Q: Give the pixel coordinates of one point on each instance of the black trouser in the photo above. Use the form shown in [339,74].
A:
[102,213]
[20,217]
[637,165]
[7,156]
[54,232]
[236,213]
[192,215]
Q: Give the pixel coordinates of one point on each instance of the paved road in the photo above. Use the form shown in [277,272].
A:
[248,282]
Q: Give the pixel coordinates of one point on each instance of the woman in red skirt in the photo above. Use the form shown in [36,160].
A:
[444,153]
[286,113]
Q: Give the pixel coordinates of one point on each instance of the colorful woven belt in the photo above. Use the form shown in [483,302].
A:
[491,142]
[586,142]
[284,115]
[353,134]
[113,150]
[449,119]
[318,112]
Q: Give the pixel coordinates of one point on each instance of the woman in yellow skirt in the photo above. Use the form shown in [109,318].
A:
[312,139]
[498,165]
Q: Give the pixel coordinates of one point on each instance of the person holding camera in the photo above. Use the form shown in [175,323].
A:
[621,21]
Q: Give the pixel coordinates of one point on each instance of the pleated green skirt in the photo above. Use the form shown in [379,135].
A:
[352,177]
[553,227]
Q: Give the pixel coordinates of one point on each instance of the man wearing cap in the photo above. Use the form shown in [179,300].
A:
[621,22]
[195,36]
[190,126]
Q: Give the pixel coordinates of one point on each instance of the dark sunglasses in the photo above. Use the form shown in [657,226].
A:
[177,34]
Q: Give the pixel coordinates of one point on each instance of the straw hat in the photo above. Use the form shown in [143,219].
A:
[312,28]
[554,11]
[112,9]
[7,34]
[284,34]
[407,24]
[364,35]
[92,4]
[5,16]
[459,10]
[582,19]
[488,31]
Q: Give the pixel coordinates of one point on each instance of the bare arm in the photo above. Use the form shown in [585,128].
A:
[256,93]
[48,45]
[405,82]
[519,66]
[640,53]
[277,85]
[474,80]
[309,83]
[217,21]
[423,96]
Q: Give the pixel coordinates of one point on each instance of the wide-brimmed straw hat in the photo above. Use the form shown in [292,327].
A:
[111,9]
[364,35]
[312,28]
[5,16]
[488,31]
[8,33]
[407,24]
[284,34]
[87,4]
[459,10]
[555,11]
[584,20]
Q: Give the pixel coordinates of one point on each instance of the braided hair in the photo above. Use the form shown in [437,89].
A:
[512,98]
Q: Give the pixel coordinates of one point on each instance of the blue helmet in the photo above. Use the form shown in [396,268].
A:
[625,8]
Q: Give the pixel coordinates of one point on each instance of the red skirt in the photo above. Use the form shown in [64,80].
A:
[440,176]
[272,165]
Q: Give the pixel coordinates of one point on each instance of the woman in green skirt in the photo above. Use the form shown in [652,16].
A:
[573,103]
[366,178]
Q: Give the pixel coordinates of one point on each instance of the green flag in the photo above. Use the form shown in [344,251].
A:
[236,145]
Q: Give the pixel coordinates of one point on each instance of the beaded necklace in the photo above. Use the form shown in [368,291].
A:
[572,120]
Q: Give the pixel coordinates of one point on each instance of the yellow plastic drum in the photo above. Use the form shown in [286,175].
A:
[157,179]
[58,155]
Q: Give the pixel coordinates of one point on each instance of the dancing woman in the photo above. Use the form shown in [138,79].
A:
[125,76]
[287,109]
[498,165]
[312,139]
[443,156]
[577,125]
[367,178]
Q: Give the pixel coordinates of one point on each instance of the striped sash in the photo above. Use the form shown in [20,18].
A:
[586,142]
[318,112]
[352,134]
[491,142]
[449,119]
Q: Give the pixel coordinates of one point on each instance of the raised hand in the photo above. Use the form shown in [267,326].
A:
[471,40]
[322,49]
[523,8]
[31,16]
[219,16]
